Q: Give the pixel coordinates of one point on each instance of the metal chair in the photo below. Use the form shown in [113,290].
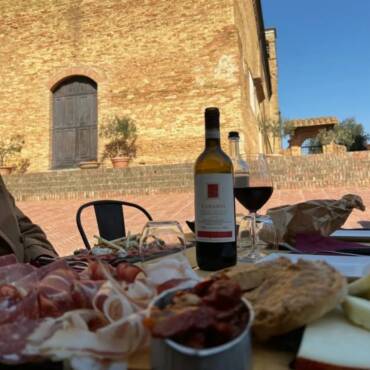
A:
[109,217]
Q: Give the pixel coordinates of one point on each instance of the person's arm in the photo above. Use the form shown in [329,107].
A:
[35,241]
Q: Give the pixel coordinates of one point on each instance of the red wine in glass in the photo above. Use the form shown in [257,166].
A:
[253,198]
[253,188]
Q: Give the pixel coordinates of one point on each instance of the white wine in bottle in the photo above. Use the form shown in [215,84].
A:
[214,201]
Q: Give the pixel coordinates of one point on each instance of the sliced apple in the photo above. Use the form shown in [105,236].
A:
[360,287]
[357,310]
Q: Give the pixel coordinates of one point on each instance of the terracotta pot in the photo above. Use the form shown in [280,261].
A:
[5,170]
[88,164]
[120,162]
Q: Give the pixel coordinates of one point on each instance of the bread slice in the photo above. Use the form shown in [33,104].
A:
[287,295]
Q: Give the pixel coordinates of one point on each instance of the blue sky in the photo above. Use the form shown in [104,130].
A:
[323,57]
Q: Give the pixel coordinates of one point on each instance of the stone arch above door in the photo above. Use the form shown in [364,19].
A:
[74,121]
[61,74]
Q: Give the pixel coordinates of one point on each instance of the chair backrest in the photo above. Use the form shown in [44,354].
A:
[109,217]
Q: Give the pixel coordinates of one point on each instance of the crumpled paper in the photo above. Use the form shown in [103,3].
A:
[322,216]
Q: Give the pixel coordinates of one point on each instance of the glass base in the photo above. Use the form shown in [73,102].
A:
[251,249]
[250,256]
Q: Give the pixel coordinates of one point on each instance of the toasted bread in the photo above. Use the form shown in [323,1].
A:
[287,295]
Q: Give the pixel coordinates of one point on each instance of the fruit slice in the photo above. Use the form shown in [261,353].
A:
[360,286]
[334,343]
[357,310]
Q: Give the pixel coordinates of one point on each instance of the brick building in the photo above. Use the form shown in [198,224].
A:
[68,66]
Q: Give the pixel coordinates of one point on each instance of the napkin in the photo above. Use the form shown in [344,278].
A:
[316,243]
[322,217]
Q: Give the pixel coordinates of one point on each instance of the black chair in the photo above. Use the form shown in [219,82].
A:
[109,217]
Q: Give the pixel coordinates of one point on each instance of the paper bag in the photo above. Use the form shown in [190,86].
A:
[313,217]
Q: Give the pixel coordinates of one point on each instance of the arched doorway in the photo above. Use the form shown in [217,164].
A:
[74,122]
[311,146]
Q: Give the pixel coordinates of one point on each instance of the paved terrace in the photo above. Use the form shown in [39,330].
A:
[57,217]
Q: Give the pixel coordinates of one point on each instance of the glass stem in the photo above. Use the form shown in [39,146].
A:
[253,232]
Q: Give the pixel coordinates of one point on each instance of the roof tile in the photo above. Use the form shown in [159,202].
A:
[315,121]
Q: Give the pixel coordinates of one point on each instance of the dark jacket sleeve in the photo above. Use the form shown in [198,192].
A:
[34,239]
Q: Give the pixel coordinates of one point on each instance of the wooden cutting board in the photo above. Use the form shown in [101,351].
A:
[263,359]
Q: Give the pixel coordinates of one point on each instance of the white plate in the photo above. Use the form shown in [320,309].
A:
[352,235]
[351,267]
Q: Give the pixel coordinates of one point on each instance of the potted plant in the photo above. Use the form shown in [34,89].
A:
[121,131]
[8,147]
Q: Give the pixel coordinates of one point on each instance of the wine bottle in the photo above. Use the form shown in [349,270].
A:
[241,168]
[214,201]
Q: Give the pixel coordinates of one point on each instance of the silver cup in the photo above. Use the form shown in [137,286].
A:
[165,354]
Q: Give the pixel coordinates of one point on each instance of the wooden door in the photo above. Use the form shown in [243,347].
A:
[74,122]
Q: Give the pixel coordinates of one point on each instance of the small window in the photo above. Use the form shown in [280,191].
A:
[267,50]
[311,146]
[253,101]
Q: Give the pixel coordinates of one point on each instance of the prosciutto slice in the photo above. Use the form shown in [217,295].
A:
[70,335]
[14,272]
[55,292]
[14,339]
[84,291]
[58,313]
[8,259]
[25,307]
[168,269]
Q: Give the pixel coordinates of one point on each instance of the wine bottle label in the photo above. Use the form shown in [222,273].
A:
[212,134]
[214,208]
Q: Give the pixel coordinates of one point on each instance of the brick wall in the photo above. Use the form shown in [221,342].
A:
[321,170]
[101,183]
[159,61]
[314,171]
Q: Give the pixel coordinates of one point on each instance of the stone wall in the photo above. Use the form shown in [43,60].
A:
[159,61]
[321,170]
[101,183]
[312,171]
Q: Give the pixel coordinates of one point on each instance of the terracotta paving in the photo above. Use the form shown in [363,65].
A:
[57,217]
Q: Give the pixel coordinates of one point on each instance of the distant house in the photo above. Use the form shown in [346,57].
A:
[68,66]
[306,129]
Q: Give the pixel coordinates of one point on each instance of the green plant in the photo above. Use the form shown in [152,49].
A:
[122,133]
[288,127]
[349,133]
[270,127]
[22,165]
[10,146]
[270,130]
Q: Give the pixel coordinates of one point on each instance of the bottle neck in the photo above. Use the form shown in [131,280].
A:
[234,148]
[212,138]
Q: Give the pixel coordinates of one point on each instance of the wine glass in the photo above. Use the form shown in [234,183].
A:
[161,238]
[252,190]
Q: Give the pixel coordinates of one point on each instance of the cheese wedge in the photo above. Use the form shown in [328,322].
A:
[360,287]
[357,310]
[332,342]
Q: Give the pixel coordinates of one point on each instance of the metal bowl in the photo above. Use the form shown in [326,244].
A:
[165,354]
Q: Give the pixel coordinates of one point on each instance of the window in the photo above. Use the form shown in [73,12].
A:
[253,101]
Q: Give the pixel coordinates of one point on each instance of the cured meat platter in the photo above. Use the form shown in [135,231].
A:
[58,312]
